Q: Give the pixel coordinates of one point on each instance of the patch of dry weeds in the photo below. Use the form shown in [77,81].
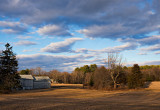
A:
[72,96]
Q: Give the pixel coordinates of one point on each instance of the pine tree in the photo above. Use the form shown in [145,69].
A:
[135,79]
[9,78]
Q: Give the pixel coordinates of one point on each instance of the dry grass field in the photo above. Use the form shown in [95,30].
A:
[73,97]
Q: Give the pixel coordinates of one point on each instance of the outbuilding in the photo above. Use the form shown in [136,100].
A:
[41,82]
[26,81]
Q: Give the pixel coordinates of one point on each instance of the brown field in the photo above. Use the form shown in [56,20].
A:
[73,97]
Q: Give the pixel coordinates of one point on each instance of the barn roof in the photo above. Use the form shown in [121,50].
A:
[26,77]
[42,78]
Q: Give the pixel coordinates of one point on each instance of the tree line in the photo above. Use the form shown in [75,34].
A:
[113,75]
[102,77]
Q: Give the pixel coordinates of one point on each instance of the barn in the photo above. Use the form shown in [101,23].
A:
[34,82]
[26,81]
[41,82]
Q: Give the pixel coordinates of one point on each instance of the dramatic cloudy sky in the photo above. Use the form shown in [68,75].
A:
[64,34]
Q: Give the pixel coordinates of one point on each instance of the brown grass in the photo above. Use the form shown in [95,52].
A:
[72,96]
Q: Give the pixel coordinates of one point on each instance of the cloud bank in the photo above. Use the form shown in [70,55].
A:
[100,18]
[13,27]
[63,46]
[53,30]
[25,43]
[49,62]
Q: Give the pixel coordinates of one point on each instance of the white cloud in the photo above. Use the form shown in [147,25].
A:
[151,40]
[10,31]
[27,50]
[128,18]
[150,63]
[142,53]
[126,46]
[24,37]
[31,50]
[104,31]
[152,48]
[9,24]
[158,52]
[49,62]
[144,63]
[155,39]
[82,50]
[54,30]
[13,27]
[114,31]
[1,43]
[25,43]
[63,46]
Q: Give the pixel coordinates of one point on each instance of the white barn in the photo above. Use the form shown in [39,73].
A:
[26,81]
[35,82]
[41,82]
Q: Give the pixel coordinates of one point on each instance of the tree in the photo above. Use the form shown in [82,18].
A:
[37,71]
[93,67]
[114,63]
[85,69]
[54,74]
[102,79]
[25,72]
[9,78]
[77,77]
[135,79]
[66,77]
[77,69]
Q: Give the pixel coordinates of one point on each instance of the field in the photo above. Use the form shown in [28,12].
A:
[73,97]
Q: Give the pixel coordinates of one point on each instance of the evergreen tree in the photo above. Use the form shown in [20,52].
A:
[9,78]
[85,69]
[93,67]
[25,72]
[135,79]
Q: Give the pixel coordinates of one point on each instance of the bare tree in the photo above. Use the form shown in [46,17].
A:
[37,71]
[114,64]
[54,74]
[102,79]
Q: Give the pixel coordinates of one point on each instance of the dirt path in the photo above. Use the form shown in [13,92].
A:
[73,97]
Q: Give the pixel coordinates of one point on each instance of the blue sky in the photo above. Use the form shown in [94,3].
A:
[64,34]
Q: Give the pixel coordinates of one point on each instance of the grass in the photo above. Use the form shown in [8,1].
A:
[72,96]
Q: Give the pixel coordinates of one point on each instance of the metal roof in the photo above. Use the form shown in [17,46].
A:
[26,77]
[41,78]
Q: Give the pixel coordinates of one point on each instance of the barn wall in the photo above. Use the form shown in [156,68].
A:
[27,83]
[41,84]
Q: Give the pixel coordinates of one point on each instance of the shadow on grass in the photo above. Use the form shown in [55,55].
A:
[67,87]
[147,84]
[48,89]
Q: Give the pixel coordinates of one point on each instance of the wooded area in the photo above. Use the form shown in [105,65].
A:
[101,77]
[113,75]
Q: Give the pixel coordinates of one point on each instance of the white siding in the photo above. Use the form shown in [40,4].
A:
[35,82]
[41,82]
[27,83]
[41,85]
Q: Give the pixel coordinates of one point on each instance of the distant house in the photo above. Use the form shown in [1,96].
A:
[34,82]
[41,82]
[26,81]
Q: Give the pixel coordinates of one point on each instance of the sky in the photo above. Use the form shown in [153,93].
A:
[65,34]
